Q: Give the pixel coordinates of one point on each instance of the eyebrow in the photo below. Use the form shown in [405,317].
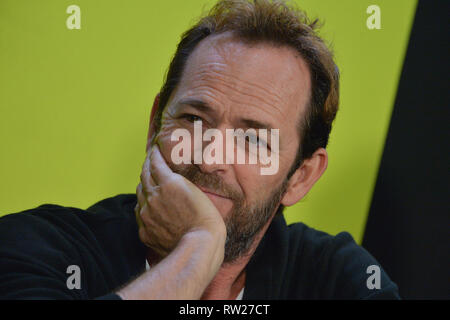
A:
[255,124]
[197,104]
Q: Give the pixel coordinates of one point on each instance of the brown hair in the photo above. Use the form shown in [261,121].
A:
[279,24]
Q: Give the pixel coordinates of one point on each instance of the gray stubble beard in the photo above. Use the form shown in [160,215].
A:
[244,222]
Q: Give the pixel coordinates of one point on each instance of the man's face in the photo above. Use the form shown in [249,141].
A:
[228,84]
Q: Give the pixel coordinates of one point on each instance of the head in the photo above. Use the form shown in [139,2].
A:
[251,64]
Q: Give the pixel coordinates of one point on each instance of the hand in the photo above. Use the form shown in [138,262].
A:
[170,207]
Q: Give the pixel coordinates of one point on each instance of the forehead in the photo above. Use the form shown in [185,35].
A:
[247,78]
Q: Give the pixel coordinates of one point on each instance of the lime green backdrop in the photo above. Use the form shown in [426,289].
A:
[74,104]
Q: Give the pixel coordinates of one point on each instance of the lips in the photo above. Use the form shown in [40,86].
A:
[212,193]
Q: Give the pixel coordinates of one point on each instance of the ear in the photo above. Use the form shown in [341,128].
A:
[305,177]
[151,125]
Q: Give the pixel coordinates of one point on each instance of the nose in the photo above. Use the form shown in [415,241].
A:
[214,152]
[213,168]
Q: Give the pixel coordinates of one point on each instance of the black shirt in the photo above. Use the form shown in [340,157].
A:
[292,262]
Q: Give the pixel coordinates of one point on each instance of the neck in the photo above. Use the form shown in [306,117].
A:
[230,279]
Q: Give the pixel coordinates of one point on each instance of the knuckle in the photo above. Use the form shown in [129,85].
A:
[152,205]
[149,202]
[146,219]
[147,190]
[143,211]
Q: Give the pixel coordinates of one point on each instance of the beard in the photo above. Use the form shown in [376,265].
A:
[245,221]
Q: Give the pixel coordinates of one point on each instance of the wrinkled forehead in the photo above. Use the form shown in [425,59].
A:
[234,72]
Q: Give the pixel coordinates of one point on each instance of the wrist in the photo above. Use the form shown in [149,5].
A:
[209,243]
[213,234]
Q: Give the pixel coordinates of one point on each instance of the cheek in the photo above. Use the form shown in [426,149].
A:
[256,187]
[164,141]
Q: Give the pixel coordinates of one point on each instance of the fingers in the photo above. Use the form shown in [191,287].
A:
[160,170]
[150,180]
[140,196]
[147,182]
[140,204]
[137,212]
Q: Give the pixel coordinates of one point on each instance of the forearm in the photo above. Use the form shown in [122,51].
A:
[184,273]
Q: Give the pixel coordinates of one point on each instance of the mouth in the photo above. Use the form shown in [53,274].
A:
[222,203]
[208,192]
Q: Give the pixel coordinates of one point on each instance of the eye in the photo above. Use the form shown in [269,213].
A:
[257,141]
[191,117]
[252,139]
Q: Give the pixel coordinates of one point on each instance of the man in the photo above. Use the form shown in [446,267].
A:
[199,229]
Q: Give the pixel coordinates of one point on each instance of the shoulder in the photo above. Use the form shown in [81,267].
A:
[35,253]
[50,222]
[43,224]
[337,267]
[39,244]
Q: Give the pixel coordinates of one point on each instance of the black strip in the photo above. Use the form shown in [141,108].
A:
[408,229]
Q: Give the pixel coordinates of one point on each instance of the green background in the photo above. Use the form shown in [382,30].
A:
[74,104]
